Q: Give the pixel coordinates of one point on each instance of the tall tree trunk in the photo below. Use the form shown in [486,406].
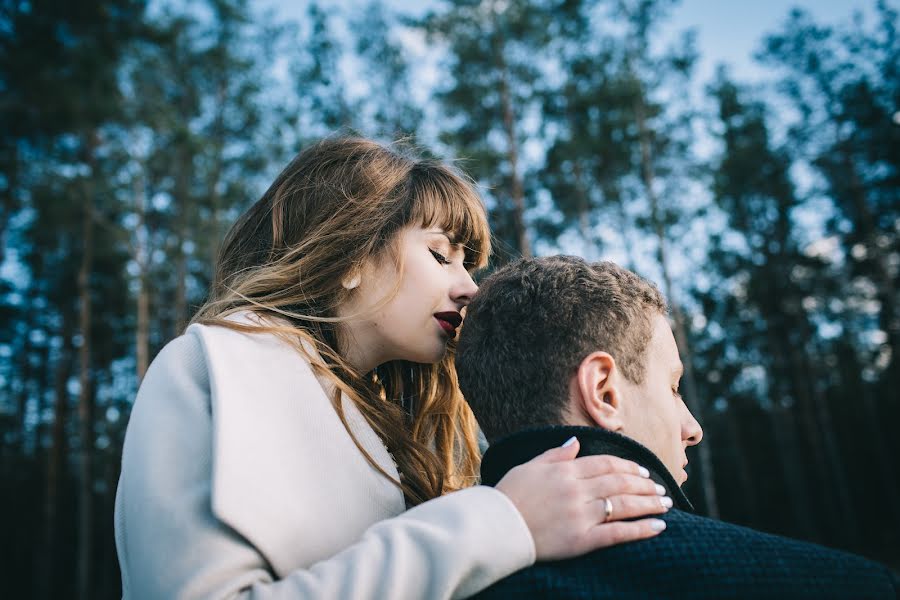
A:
[8,205]
[26,375]
[85,394]
[889,322]
[584,212]
[806,377]
[885,285]
[707,480]
[883,457]
[182,195]
[56,461]
[516,191]
[627,244]
[142,258]
[784,429]
[742,469]
[215,174]
[784,424]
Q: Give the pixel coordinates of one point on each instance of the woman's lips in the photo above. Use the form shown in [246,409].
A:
[449,321]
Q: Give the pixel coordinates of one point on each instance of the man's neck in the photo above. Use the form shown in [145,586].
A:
[522,446]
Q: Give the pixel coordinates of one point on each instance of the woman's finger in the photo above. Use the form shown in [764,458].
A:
[618,532]
[592,466]
[606,486]
[628,506]
[568,451]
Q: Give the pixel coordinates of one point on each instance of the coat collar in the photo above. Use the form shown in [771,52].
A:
[286,474]
[522,446]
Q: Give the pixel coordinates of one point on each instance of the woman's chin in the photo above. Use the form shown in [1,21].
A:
[428,356]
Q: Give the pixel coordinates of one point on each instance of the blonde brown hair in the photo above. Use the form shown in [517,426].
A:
[337,205]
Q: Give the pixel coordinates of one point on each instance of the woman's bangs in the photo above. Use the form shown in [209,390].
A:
[443,199]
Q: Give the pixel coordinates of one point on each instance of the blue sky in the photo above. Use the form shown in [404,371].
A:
[728,31]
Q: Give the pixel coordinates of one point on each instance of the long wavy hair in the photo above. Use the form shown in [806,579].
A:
[337,205]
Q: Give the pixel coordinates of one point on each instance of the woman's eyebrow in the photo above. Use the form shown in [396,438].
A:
[450,237]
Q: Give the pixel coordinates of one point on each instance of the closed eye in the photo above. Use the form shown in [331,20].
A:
[439,257]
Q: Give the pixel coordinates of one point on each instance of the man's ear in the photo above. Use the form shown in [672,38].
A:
[598,393]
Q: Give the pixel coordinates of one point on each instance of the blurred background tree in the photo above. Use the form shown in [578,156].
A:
[133,133]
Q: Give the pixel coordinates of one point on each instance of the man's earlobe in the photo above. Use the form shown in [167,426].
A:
[606,410]
[599,395]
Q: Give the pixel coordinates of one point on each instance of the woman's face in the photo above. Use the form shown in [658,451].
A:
[418,321]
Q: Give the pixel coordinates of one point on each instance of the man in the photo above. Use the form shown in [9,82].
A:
[558,347]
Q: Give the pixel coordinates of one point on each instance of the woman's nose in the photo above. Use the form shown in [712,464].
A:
[464,288]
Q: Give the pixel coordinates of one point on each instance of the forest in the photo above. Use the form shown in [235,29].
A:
[133,133]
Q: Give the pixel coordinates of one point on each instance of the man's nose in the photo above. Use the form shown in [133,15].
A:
[691,432]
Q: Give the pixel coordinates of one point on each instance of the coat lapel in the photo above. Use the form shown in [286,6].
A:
[286,475]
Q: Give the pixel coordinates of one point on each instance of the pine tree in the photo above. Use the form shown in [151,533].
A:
[843,83]
[324,105]
[393,112]
[772,276]
[656,130]
[72,52]
[583,121]
[494,49]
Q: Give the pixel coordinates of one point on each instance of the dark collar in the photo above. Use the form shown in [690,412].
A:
[521,447]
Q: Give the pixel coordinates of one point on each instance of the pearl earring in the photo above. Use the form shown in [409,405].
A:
[351,283]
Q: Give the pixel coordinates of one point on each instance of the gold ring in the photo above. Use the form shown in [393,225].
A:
[609,510]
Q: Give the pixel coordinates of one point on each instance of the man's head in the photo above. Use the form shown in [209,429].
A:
[558,340]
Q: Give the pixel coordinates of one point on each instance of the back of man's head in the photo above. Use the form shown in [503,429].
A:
[534,321]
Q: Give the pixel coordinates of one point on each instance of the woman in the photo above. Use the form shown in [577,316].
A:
[275,447]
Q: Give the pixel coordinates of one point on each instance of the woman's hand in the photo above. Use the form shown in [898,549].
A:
[563,501]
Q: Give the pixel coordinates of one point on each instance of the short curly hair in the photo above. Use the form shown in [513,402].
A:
[534,321]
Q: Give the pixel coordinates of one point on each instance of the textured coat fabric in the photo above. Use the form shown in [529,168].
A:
[695,557]
[239,480]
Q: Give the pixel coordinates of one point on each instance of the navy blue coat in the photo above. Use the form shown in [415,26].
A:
[695,557]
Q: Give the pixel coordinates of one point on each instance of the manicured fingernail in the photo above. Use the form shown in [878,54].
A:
[569,442]
[657,524]
[660,490]
[643,472]
[666,502]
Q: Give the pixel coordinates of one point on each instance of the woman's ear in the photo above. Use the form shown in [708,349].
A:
[598,391]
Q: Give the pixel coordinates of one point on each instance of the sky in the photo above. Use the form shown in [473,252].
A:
[728,31]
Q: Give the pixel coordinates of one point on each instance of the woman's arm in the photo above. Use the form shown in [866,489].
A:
[171,545]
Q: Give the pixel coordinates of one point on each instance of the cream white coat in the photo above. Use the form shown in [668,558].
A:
[239,481]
